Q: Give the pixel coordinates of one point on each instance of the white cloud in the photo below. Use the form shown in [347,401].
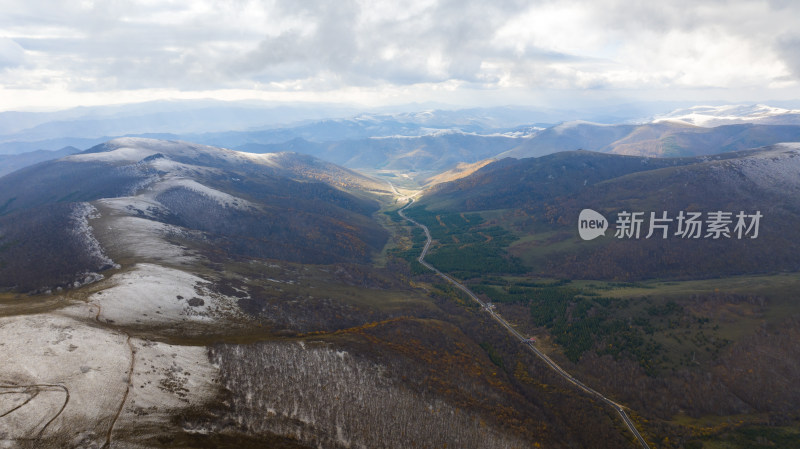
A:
[11,53]
[322,47]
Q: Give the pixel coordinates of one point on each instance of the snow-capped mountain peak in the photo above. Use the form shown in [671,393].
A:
[709,116]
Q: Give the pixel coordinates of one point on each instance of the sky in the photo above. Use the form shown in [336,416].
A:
[470,53]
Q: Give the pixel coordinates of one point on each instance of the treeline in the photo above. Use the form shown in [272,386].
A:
[40,249]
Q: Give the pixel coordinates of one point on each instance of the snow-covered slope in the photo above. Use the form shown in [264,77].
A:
[68,383]
[777,169]
[154,219]
[135,149]
[709,116]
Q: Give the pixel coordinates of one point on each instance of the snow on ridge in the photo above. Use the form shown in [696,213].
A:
[134,149]
[145,239]
[161,146]
[168,165]
[122,154]
[789,145]
[436,132]
[676,121]
[87,361]
[709,116]
[574,124]
[139,205]
[222,198]
[181,149]
[777,169]
[267,159]
[81,229]
[424,132]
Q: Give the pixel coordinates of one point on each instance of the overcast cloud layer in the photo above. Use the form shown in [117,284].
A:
[323,50]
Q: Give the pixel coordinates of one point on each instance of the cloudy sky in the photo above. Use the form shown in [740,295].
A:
[55,54]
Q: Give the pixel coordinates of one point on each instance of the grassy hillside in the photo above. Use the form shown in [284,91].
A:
[539,201]
[693,334]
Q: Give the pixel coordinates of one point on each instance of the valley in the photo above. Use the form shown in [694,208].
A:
[613,329]
[380,225]
[521,338]
[148,287]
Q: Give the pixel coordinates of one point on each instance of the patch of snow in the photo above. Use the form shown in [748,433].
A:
[81,214]
[776,170]
[267,159]
[710,116]
[134,149]
[429,133]
[150,294]
[89,362]
[529,132]
[144,240]
[279,281]
[167,379]
[222,198]
[140,205]
[45,357]
[122,154]
[574,124]
[436,132]
[168,165]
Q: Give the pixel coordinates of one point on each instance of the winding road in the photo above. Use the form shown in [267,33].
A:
[553,365]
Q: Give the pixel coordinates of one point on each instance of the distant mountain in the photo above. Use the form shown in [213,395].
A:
[663,139]
[17,147]
[435,152]
[221,197]
[709,116]
[171,116]
[444,150]
[232,124]
[426,140]
[10,163]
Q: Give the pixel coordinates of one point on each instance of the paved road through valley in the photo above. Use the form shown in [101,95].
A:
[553,365]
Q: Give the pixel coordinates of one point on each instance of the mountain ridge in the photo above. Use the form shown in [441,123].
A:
[227,197]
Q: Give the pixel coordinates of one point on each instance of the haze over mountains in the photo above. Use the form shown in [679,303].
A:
[430,141]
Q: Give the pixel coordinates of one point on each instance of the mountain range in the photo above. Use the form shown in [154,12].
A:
[172,292]
[174,277]
[424,143]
